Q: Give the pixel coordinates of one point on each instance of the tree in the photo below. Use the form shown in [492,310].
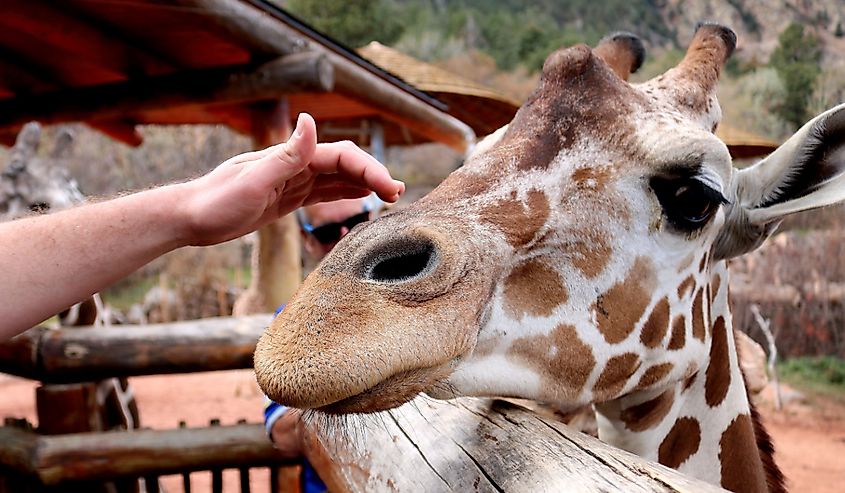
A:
[797,62]
[352,22]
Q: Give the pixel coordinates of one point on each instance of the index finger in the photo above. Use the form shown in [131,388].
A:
[357,167]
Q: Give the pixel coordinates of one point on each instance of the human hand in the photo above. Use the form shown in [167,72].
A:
[255,188]
[286,433]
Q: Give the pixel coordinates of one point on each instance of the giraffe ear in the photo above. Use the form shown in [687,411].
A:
[806,172]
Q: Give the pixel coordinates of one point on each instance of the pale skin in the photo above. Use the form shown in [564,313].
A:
[50,262]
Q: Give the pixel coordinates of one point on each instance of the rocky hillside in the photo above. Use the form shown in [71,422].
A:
[759,22]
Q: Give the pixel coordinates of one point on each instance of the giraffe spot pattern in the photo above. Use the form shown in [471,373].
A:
[648,414]
[561,358]
[656,325]
[680,443]
[718,374]
[685,287]
[715,284]
[698,330]
[691,374]
[533,288]
[591,178]
[620,307]
[615,375]
[654,374]
[591,254]
[679,333]
[703,263]
[519,223]
[742,469]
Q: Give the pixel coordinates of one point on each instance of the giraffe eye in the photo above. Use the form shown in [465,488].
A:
[687,203]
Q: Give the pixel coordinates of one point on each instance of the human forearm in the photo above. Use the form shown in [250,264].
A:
[50,262]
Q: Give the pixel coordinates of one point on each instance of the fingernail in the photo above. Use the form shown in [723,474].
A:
[299,130]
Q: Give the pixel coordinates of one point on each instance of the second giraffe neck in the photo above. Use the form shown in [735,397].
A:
[704,425]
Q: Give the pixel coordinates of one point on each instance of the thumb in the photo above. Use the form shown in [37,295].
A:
[287,159]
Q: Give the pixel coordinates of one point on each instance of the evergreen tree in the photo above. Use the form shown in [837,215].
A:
[352,22]
[797,62]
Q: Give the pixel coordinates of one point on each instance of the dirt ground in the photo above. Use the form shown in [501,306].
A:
[809,434]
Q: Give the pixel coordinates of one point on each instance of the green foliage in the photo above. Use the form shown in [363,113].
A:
[797,61]
[826,371]
[352,22]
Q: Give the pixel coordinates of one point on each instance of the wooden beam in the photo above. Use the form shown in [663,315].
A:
[120,454]
[475,445]
[76,41]
[399,105]
[93,353]
[300,72]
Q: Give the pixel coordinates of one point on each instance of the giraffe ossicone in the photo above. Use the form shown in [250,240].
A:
[577,258]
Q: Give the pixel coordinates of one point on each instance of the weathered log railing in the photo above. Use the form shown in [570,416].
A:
[85,354]
[141,453]
[476,445]
[425,445]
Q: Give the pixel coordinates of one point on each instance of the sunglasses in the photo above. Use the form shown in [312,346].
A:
[330,232]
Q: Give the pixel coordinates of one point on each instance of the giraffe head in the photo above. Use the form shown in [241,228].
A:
[568,261]
[32,183]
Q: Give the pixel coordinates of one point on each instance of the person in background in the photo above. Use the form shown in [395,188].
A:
[322,226]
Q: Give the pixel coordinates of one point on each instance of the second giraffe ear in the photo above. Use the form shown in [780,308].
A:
[806,172]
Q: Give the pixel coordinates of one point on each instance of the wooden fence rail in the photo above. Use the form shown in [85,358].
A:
[140,453]
[93,353]
[476,445]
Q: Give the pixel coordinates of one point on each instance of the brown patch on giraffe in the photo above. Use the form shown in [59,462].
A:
[519,222]
[615,375]
[742,469]
[774,476]
[578,98]
[654,374]
[698,329]
[620,307]
[685,287]
[533,288]
[591,254]
[703,263]
[680,443]
[648,414]
[656,325]
[679,333]
[686,262]
[591,178]
[718,374]
[560,357]
[691,374]
[715,284]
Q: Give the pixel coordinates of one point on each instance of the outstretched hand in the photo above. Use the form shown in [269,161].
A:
[255,188]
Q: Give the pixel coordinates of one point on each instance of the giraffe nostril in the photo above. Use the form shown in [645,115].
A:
[402,262]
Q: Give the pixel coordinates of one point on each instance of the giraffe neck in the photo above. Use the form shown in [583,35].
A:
[703,425]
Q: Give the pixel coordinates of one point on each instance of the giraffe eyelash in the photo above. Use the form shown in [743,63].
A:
[687,202]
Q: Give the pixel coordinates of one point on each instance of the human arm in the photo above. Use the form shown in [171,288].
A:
[50,262]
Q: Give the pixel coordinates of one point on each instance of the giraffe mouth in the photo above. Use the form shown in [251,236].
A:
[392,392]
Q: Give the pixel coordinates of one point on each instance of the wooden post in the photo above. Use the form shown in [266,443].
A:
[276,259]
[69,408]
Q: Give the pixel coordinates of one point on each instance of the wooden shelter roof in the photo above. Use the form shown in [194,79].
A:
[482,108]
[742,144]
[114,64]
